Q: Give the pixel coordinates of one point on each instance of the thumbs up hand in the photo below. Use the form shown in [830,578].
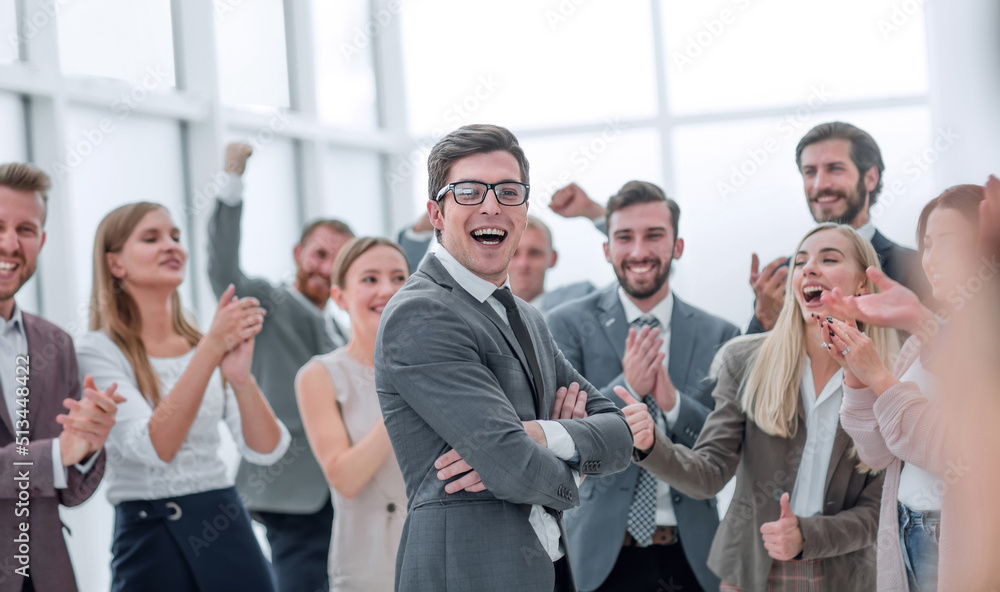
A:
[783,538]
[639,421]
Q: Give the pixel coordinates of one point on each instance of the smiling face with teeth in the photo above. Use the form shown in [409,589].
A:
[482,237]
[641,247]
[834,188]
[368,284]
[826,260]
[22,214]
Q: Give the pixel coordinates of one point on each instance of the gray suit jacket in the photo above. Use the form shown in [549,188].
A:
[450,374]
[842,538]
[53,377]
[293,333]
[591,332]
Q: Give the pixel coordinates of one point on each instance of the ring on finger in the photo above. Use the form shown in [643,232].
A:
[846,351]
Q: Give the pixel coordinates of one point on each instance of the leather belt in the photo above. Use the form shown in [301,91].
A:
[663,535]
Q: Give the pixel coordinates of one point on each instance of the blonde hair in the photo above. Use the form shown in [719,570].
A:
[354,249]
[770,391]
[112,308]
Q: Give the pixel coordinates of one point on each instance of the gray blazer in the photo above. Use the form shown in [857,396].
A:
[592,332]
[450,374]
[842,538]
[293,333]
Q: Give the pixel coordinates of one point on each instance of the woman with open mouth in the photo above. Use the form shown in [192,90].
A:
[805,512]
[895,417]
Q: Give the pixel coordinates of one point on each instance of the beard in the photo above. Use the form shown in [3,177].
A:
[641,293]
[303,284]
[855,201]
[25,273]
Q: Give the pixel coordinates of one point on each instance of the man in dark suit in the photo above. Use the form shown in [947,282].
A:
[841,167]
[46,459]
[533,258]
[466,374]
[291,498]
[631,531]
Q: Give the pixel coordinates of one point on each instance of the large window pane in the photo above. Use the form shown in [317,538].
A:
[121,39]
[9,51]
[738,185]
[253,57]
[270,226]
[345,64]
[354,190]
[111,162]
[523,63]
[737,54]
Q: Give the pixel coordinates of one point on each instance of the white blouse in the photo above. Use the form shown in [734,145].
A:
[134,470]
[822,418]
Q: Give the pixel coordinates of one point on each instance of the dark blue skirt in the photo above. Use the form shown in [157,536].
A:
[201,541]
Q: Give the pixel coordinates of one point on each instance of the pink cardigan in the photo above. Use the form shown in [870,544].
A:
[899,426]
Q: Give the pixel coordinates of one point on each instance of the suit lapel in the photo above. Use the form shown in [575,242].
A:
[682,340]
[37,382]
[439,275]
[612,320]
[840,443]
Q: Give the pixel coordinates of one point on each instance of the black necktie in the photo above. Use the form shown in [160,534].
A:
[517,325]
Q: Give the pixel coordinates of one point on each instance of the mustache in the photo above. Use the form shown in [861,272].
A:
[830,193]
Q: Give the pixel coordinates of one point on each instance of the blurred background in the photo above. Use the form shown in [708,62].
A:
[121,101]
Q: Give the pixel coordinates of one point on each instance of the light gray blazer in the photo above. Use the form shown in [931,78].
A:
[450,374]
[591,332]
[293,333]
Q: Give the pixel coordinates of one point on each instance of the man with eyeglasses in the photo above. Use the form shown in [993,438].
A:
[491,426]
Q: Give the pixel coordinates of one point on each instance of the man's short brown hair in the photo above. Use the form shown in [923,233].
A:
[23,176]
[334,225]
[466,141]
[638,192]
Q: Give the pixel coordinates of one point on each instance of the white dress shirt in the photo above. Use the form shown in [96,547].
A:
[920,490]
[557,438]
[662,312]
[135,470]
[14,343]
[867,231]
[822,419]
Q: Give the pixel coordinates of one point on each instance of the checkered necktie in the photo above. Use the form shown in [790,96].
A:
[642,511]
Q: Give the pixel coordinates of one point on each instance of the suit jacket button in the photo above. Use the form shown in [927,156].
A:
[677,499]
[391,507]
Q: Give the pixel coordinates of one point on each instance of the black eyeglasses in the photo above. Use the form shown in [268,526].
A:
[472,193]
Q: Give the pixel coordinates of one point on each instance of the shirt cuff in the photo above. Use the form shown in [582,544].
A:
[59,475]
[558,439]
[84,467]
[674,413]
[231,193]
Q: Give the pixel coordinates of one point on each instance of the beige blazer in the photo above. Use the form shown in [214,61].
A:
[843,538]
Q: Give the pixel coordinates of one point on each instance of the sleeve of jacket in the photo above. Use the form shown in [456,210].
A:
[224,257]
[695,406]
[846,531]
[702,471]
[79,486]
[439,374]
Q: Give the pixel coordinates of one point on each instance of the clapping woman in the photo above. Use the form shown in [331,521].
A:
[179,523]
[805,512]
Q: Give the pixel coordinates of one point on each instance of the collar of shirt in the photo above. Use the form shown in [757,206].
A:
[867,230]
[663,311]
[16,323]
[302,298]
[833,387]
[480,289]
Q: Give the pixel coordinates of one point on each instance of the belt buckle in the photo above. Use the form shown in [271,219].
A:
[177,513]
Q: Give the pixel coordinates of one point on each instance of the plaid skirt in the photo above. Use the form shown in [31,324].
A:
[790,576]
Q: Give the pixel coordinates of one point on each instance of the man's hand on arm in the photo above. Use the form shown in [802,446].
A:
[570,403]
[639,421]
[769,289]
